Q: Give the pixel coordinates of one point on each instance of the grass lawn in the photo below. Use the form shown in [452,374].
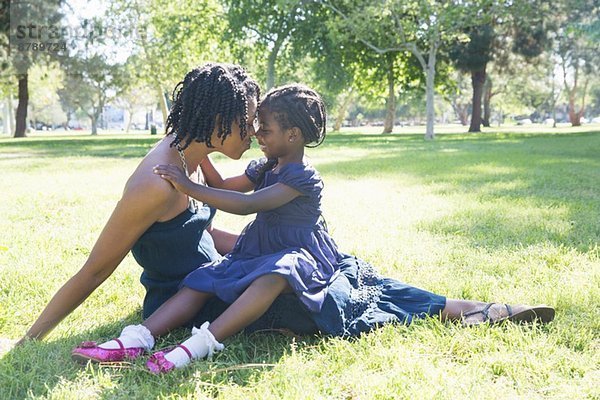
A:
[504,216]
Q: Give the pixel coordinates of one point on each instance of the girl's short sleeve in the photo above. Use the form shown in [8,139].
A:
[253,169]
[303,178]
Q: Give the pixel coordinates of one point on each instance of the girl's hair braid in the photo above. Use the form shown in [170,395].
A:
[212,95]
[297,105]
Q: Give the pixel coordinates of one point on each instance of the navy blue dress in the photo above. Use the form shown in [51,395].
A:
[357,300]
[290,241]
[169,250]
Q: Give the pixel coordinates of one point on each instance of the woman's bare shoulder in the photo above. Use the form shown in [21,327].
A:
[143,184]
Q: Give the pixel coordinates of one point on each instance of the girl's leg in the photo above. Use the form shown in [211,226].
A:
[253,303]
[255,300]
[172,314]
[135,339]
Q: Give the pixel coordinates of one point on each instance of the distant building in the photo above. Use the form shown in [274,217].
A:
[113,118]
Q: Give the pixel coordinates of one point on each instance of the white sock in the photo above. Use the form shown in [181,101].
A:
[202,343]
[132,336]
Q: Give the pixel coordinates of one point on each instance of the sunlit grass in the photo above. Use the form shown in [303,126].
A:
[494,216]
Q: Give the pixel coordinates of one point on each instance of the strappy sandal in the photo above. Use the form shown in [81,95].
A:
[542,314]
[90,351]
[158,364]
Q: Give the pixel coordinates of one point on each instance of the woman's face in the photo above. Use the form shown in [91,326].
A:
[234,146]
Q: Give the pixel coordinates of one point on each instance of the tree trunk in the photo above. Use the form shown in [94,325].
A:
[574,116]
[462,112]
[273,58]
[477,80]
[390,113]
[487,97]
[6,119]
[21,117]
[9,117]
[162,101]
[271,70]
[129,118]
[11,114]
[341,114]
[430,92]
[554,99]
[94,121]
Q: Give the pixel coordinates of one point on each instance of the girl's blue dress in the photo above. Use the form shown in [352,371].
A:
[290,240]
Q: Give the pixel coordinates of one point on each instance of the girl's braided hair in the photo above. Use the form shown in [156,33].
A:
[296,105]
[210,95]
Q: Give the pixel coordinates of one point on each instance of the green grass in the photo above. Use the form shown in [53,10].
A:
[499,216]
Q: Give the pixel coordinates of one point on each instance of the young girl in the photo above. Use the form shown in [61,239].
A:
[286,248]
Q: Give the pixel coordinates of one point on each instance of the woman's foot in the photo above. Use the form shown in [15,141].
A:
[132,343]
[495,313]
[90,351]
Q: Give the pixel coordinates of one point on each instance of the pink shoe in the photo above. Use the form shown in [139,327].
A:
[158,364]
[89,351]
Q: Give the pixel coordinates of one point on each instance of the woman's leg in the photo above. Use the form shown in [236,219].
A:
[455,310]
[173,313]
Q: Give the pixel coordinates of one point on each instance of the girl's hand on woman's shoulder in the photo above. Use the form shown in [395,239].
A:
[175,176]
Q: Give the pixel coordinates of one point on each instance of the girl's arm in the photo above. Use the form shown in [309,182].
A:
[239,183]
[265,199]
[139,208]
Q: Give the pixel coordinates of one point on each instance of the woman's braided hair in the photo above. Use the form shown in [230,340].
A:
[210,95]
[296,105]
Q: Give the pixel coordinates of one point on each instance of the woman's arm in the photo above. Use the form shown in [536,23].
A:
[265,199]
[134,213]
[239,183]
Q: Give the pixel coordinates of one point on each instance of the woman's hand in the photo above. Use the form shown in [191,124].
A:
[175,176]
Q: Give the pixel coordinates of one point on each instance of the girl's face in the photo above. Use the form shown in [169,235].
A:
[273,140]
[234,146]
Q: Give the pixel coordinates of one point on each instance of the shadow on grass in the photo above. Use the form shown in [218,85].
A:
[549,182]
[127,147]
[40,369]
[556,172]
[113,147]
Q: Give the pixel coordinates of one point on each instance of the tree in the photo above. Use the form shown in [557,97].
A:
[578,49]
[134,98]
[271,22]
[168,38]
[473,56]
[455,94]
[7,75]
[45,107]
[90,82]
[418,27]
[32,26]
[518,26]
